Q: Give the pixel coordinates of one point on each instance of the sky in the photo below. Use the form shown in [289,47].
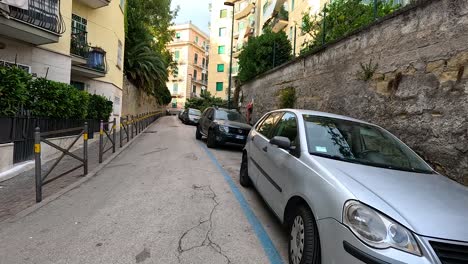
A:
[194,10]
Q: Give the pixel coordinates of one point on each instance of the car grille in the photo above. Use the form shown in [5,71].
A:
[238,131]
[450,253]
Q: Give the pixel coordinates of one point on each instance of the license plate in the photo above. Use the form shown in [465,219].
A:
[239,137]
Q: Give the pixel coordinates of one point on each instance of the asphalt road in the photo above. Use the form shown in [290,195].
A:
[165,199]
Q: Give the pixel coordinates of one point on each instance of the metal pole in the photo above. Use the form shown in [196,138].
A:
[127,132]
[114,127]
[85,149]
[324,24]
[120,132]
[375,9]
[230,61]
[37,158]
[101,134]
[295,32]
[133,125]
[274,53]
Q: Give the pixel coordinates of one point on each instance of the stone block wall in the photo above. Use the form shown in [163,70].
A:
[135,101]
[419,90]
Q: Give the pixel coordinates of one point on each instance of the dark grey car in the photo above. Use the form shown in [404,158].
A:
[222,126]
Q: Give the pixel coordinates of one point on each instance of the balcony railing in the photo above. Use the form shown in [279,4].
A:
[94,58]
[44,14]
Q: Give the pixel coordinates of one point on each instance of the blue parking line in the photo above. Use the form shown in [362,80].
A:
[267,244]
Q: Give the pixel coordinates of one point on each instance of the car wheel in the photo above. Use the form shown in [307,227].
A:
[198,135]
[304,242]
[211,141]
[244,178]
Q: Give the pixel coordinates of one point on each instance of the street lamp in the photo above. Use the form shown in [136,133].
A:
[230,59]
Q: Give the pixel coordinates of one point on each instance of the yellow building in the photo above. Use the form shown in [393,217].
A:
[190,49]
[80,42]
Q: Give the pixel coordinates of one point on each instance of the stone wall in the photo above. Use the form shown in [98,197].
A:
[419,90]
[135,101]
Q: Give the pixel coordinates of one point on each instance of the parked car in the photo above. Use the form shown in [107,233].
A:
[190,116]
[351,192]
[222,126]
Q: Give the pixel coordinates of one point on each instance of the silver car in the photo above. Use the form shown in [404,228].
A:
[350,192]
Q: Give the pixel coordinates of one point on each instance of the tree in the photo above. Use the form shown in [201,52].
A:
[206,100]
[263,53]
[147,60]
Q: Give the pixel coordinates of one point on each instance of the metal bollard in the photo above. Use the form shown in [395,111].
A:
[85,149]
[120,132]
[37,158]
[114,127]
[128,136]
[101,134]
[133,125]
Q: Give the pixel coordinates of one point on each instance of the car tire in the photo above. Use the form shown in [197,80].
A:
[303,234]
[244,178]
[211,140]
[198,135]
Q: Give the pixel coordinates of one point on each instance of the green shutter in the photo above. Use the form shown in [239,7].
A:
[223,13]
[177,55]
[220,49]
[219,86]
[220,67]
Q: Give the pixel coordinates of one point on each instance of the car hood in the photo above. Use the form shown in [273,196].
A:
[234,124]
[430,204]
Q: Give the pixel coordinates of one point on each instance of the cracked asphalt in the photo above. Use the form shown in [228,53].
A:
[162,200]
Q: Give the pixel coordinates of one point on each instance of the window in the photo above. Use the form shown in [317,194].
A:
[222,32]
[241,25]
[287,127]
[176,55]
[221,49]
[292,5]
[122,5]
[223,13]
[79,36]
[177,35]
[175,88]
[203,62]
[267,126]
[120,55]
[219,86]
[196,39]
[195,59]
[194,89]
[220,67]
[195,73]
[78,85]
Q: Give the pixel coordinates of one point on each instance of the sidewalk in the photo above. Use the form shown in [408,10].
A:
[18,193]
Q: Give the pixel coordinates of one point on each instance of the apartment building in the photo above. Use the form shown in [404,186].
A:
[80,42]
[190,48]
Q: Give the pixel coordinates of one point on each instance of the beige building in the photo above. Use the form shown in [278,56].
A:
[250,17]
[190,49]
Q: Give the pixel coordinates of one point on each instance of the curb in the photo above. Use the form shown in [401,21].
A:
[76,184]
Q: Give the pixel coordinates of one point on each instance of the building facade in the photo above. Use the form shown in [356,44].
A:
[190,48]
[250,18]
[80,42]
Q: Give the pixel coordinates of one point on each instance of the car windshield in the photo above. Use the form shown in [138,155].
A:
[359,143]
[230,115]
[194,112]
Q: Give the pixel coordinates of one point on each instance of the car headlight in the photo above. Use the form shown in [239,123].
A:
[223,128]
[377,230]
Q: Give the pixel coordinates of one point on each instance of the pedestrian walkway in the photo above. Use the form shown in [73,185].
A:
[162,200]
[18,193]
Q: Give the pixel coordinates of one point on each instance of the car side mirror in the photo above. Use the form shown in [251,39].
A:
[281,142]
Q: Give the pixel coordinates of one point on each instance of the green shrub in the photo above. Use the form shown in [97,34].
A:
[99,108]
[287,97]
[263,53]
[205,101]
[58,100]
[14,83]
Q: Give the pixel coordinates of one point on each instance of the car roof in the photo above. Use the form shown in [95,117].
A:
[323,114]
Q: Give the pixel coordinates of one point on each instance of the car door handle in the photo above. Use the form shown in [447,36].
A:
[265,149]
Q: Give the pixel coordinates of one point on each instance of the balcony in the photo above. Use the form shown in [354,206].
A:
[280,21]
[95,3]
[201,82]
[40,24]
[87,61]
[244,11]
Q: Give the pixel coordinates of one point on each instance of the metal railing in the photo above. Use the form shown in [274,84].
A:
[40,137]
[110,137]
[44,14]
